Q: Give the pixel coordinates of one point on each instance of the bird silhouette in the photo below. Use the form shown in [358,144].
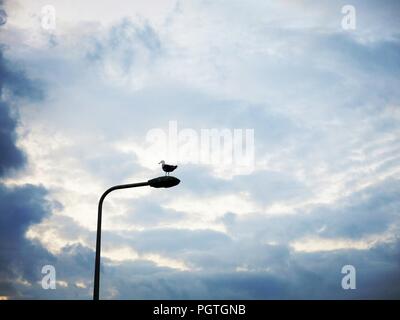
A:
[167,167]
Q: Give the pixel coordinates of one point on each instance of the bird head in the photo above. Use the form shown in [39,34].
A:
[162,161]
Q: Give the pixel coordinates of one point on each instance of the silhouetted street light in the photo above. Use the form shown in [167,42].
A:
[160,182]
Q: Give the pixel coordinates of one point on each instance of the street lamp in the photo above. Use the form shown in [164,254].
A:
[160,182]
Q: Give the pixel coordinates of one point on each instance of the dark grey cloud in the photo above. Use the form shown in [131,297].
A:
[11,156]
[14,81]
[369,211]
[297,276]
[192,246]
[74,265]
[3,14]
[270,271]
[13,78]
[20,258]
[3,17]
[377,272]
[20,207]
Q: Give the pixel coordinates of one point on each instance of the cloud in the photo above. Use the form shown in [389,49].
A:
[300,276]
[257,262]
[323,193]
[126,52]
[11,155]
[27,205]
[20,259]
[20,207]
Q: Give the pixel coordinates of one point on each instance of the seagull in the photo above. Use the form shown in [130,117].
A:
[167,167]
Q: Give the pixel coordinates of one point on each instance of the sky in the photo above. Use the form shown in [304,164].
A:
[85,85]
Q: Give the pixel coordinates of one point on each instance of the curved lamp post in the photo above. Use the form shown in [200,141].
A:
[160,182]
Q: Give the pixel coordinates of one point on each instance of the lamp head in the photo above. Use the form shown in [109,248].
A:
[164,182]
